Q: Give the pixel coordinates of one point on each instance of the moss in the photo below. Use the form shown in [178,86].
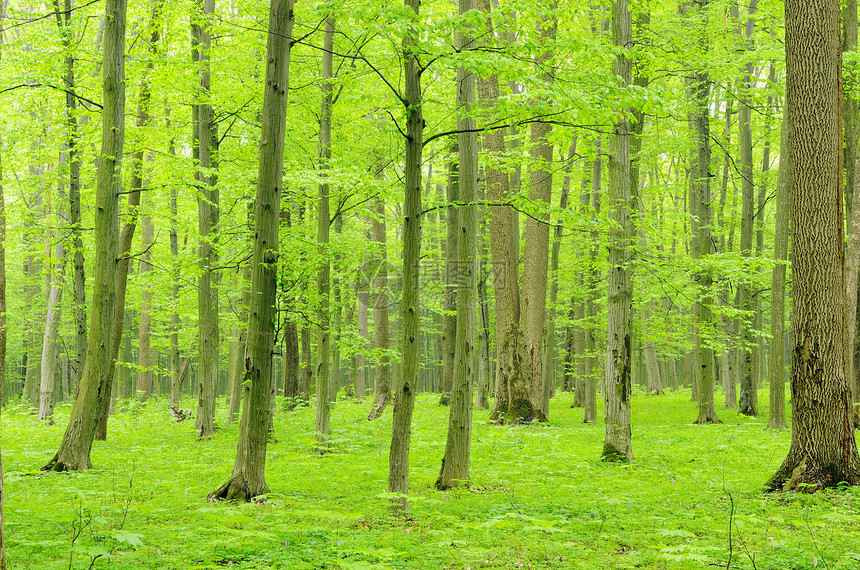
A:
[612,454]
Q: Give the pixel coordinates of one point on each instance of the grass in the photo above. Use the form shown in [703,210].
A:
[540,498]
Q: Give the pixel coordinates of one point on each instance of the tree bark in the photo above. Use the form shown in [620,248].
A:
[74,450]
[617,440]
[777,292]
[449,307]
[249,473]
[455,462]
[324,376]
[407,385]
[380,315]
[206,177]
[823,452]
[145,355]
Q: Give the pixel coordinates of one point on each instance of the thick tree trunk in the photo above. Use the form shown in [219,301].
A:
[407,385]
[74,450]
[823,451]
[324,376]
[206,149]
[617,444]
[455,462]
[249,473]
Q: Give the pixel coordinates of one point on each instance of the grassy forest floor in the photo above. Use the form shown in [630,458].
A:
[540,498]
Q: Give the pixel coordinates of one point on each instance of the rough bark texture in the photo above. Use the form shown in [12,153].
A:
[324,376]
[823,451]
[851,122]
[526,399]
[249,473]
[617,444]
[74,450]
[206,147]
[455,462]
[407,385]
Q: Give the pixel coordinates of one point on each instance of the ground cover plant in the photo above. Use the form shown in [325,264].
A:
[539,498]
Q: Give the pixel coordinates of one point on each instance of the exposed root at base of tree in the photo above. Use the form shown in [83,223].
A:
[706,418]
[378,407]
[805,475]
[518,412]
[612,454]
[57,466]
[237,489]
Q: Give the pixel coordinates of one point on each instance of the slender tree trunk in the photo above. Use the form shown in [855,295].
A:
[127,236]
[50,342]
[380,315]
[777,292]
[591,369]
[206,147]
[175,364]
[324,376]
[548,372]
[74,450]
[449,317]
[749,395]
[455,462]
[145,355]
[617,444]
[64,23]
[823,451]
[249,473]
[407,385]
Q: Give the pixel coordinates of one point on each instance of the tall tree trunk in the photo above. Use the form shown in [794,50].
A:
[74,450]
[456,460]
[823,452]
[748,404]
[324,376]
[526,397]
[548,372]
[380,315]
[777,291]
[56,261]
[206,147]
[176,268]
[64,23]
[591,310]
[145,355]
[449,317]
[617,444]
[361,376]
[249,473]
[127,236]
[407,385]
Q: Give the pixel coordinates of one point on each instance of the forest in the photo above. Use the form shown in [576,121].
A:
[439,284]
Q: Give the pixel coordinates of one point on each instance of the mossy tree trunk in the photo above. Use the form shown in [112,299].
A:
[74,450]
[823,451]
[249,472]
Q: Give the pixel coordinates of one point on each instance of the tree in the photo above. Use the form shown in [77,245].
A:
[206,151]
[407,384]
[455,462]
[324,375]
[74,451]
[380,313]
[823,452]
[249,472]
[617,444]
[777,295]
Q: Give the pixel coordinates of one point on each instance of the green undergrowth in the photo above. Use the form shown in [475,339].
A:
[539,496]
